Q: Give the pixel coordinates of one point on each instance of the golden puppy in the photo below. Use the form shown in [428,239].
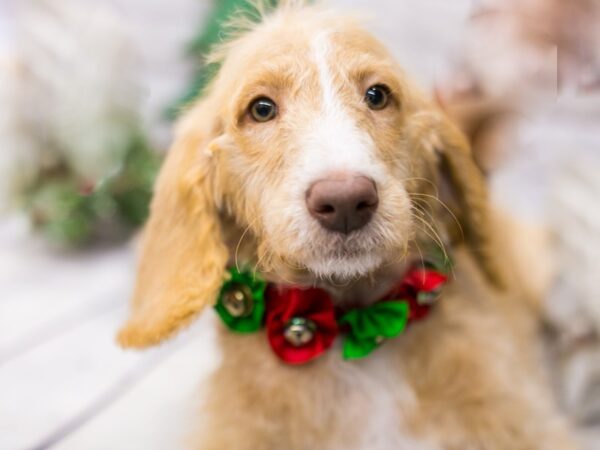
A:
[313,160]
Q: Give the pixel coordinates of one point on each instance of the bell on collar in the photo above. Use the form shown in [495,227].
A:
[299,331]
[426,298]
[238,301]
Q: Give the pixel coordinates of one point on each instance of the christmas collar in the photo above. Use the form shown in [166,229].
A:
[302,323]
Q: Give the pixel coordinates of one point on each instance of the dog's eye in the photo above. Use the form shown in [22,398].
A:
[377,97]
[263,109]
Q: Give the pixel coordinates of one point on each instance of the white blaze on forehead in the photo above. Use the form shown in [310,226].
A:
[320,50]
[333,142]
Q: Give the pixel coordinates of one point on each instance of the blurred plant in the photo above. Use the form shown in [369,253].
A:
[79,164]
[70,209]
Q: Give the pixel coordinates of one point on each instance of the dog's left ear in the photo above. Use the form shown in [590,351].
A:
[463,187]
[183,257]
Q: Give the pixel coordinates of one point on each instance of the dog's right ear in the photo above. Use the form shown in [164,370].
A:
[467,189]
[183,255]
[461,187]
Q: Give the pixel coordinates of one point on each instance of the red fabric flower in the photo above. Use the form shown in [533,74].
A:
[287,303]
[418,281]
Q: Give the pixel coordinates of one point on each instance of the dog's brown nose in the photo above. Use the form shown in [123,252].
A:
[343,203]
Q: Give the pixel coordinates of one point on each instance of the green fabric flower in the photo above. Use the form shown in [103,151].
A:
[370,326]
[241,302]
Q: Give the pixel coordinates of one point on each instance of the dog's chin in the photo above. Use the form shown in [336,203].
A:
[323,255]
[344,267]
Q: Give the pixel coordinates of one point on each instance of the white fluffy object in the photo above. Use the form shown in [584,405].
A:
[72,91]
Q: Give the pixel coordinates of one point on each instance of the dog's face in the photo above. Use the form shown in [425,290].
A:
[315,161]
[311,142]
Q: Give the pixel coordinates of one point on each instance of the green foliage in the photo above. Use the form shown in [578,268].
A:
[131,187]
[71,211]
[62,213]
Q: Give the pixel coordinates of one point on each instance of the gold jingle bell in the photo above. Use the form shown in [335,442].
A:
[428,298]
[238,301]
[299,331]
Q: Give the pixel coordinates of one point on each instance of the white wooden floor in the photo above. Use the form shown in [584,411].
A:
[64,384]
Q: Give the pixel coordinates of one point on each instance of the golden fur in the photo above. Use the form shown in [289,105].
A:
[466,378]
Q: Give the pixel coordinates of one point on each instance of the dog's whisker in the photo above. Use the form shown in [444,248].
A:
[426,180]
[429,214]
[443,204]
[436,237]
[443,249]
[419,251]
[237,247]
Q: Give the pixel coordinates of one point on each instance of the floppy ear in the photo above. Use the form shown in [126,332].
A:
[183,256]
[463,187]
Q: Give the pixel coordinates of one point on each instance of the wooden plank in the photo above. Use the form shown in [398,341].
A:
[65,297]
[45,388]
[45,291]
[160,411]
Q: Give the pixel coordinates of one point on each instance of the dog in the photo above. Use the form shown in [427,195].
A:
[314,171]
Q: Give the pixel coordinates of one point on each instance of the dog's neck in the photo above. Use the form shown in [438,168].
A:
[359,292]
[366,290]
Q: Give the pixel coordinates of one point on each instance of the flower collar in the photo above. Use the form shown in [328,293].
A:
[302,323]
